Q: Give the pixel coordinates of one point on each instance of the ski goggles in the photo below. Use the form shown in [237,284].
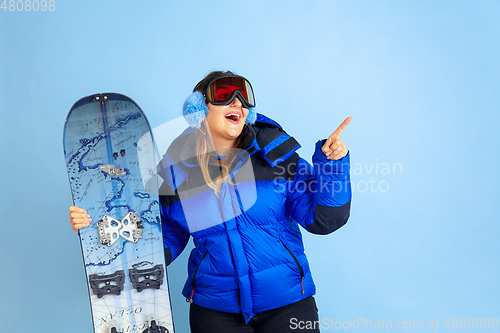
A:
[224,90]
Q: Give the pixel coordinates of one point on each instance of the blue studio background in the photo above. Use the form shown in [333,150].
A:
[420,78]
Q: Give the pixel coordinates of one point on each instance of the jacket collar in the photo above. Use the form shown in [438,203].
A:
[265,136]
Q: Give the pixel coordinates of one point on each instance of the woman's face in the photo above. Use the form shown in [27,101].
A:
[226,121]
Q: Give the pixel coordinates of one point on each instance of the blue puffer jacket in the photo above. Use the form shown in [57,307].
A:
[248,255]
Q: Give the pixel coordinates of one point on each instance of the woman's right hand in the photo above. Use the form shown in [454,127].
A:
[78,218]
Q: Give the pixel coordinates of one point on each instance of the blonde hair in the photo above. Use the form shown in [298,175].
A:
[204,154]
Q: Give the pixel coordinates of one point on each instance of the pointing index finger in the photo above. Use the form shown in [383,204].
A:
[342,126]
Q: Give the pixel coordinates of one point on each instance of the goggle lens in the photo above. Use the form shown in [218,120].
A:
[222,91]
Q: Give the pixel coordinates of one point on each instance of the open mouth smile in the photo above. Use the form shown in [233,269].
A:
[233,117]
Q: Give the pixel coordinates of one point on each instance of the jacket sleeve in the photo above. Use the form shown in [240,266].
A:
[175,238]
[319,197]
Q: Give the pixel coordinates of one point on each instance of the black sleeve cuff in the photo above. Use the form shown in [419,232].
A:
[329,219]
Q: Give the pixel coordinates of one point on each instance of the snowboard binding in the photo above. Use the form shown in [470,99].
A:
[110,229]
[155,328]
[146,278]
[111,284]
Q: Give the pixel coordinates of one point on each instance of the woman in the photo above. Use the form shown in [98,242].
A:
[234,182]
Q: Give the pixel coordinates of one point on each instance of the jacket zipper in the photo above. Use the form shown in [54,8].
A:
[298,265]
[193,281]
[230,248]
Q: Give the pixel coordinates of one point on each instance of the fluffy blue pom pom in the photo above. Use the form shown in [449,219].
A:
[195,109]
[252,116]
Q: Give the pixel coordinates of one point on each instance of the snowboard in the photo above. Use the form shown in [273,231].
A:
[111,162]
